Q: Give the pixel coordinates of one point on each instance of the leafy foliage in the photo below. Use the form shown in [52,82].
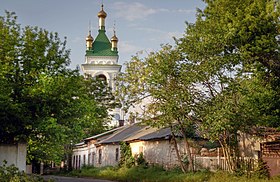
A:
[42,101]
[126,159]
[12,174]
[234,50]
[222,75]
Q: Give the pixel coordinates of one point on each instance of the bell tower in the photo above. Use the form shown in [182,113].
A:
[101,59]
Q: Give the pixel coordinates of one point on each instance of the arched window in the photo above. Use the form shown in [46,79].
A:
[102,77]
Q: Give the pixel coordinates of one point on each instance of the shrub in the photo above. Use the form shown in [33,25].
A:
[262,171]
[140,160]
[126,159]
[12,174]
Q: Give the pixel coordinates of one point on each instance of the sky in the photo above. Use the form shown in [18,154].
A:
[141,25]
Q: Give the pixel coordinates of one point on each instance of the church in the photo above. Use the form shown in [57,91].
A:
[101,61]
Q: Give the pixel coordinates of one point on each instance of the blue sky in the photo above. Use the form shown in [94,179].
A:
[141,25]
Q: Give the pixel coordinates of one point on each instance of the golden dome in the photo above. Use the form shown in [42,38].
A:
[102,13]
[89,37]
[114,38]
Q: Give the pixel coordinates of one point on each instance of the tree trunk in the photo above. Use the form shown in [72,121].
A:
[227,154]
[182,165]
[187,147]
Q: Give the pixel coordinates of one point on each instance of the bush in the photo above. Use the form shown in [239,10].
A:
[140,160]
[262,171]
[12,174]
[141,173]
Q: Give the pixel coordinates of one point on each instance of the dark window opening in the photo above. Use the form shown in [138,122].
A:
[102,77]
[100,156]
[117,154]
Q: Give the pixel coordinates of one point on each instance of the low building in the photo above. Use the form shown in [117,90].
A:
[156,145]
[14,154]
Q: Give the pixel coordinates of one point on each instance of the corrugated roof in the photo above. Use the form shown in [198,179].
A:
[160,133]
[101,135]
[121,135]
[142,132]
[131,133]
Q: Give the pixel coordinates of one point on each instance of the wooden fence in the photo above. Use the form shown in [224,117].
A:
[219,163]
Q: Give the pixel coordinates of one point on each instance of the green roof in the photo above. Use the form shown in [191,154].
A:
[101,46]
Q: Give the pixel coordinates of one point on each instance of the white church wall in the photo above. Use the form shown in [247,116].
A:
[137,111]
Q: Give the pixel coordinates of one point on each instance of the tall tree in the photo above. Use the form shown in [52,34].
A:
[234,47]
[42,101]
[220,72]
[172,97]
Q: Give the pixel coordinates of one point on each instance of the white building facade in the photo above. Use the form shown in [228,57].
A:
[101,60]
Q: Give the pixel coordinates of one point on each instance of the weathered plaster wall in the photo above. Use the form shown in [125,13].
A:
[108,157]
[160,152]
[14,154]
[80,157]
[249,145]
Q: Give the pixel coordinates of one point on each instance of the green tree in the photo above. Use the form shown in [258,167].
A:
[42,101]
[161,78]
[224,72]
[234,49]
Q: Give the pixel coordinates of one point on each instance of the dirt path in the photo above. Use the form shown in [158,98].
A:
[72,179]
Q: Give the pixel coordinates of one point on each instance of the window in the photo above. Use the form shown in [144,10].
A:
[84,160]
[93,156]
[117,154]
[79,165]
[102,77]
[100,156]
[89,158]
[74,161]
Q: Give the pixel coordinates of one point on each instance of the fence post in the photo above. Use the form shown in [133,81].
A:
[218,157]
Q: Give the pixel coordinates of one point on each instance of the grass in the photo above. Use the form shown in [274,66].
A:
[158,174]
[140,174]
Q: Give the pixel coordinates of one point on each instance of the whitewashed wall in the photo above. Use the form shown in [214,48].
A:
[80,157]
[14,154]
[160,152]
[108,156]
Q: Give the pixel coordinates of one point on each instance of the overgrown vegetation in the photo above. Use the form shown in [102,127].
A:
[222,76]
[158,174]
[127,160]
[12,174]
[141,173]
[42,101]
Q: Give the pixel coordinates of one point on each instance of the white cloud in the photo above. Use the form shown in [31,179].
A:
[133,11]
[137,11]
[149,30]
[127,47]
[186,11]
